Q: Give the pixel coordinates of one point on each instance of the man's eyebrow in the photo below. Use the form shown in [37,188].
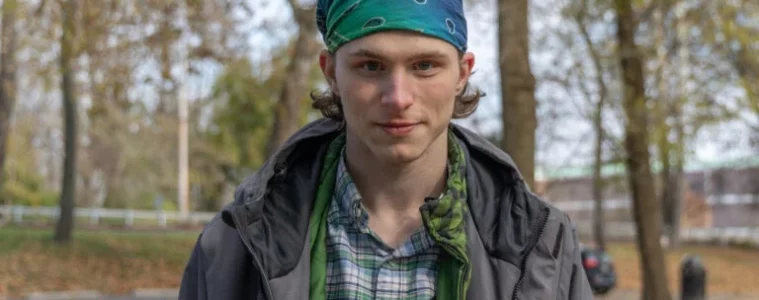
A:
[365,53]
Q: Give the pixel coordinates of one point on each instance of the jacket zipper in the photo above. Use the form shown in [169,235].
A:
[256,261]
[532,247]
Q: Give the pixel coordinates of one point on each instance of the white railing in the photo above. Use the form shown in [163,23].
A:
[722,235]
[19,212]
[625,203]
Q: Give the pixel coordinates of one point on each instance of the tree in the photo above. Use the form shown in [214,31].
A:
[734,23]
[646,212]
[242,116]
[668,107]
[64,229]
[598,128]
[517,86]
[126,65]
[288,110]
[7,79]
[106,118]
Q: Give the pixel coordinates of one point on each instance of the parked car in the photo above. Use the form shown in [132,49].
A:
[599,268]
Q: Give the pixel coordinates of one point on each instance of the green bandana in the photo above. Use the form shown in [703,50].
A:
[341,21]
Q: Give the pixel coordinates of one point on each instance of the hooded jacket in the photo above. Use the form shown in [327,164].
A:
[257,247]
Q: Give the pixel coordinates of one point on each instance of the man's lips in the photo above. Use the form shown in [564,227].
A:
[398,128]
[398,124]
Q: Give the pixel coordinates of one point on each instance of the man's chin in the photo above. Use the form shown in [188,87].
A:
[398,154]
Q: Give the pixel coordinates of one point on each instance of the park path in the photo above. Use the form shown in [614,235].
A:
[613,295]
[634,295]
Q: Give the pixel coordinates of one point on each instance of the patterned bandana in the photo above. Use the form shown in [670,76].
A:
[341,21]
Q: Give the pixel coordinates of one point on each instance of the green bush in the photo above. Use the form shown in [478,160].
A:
[24,188]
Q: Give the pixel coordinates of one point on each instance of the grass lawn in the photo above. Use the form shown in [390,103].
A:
[108,261]
[729,270]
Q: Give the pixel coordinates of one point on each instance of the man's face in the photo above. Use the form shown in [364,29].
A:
[398,91]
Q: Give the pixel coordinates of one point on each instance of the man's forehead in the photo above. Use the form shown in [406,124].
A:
[379,54]
[399,45]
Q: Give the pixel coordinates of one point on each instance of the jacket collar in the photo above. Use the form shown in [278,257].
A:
[275,203]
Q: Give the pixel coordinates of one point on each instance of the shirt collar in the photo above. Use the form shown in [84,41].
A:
[351,210]
[348,198]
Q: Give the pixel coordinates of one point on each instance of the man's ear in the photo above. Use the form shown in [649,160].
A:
[327,64]
[466,66]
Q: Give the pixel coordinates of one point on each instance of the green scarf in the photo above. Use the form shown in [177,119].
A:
[444,219]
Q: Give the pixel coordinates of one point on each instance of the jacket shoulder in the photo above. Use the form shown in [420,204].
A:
[217,268]
[219,237]
[559,225]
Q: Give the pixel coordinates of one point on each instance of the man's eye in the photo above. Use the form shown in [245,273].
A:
[425,66]
[371,66]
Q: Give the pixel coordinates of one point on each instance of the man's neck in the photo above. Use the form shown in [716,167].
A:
[398,188]
[393,193]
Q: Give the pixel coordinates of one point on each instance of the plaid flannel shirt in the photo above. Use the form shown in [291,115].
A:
[361,266]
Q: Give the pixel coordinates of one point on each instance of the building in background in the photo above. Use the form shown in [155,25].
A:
[722,194]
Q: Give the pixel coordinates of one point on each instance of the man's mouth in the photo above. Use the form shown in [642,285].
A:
[398,128]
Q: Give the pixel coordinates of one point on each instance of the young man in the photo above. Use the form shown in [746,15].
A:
[386,198]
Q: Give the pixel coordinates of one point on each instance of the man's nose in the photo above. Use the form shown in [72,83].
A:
[397,91]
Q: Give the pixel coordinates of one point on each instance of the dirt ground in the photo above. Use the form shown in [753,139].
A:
[635,295]
[110,262]
[731,272]
[117,262]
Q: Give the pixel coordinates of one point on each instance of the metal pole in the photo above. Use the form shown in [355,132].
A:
[183,109]
[183,157]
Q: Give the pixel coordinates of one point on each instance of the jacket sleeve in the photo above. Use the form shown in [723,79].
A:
[193,286]
[579,287]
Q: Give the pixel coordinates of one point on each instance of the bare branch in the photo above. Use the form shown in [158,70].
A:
[40,8]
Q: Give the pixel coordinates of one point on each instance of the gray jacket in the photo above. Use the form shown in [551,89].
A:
[520,247]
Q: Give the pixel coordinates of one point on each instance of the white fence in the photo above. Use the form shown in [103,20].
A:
[625,203]
[18,213]
[721,235]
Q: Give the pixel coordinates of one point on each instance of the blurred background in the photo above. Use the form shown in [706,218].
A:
[126,125]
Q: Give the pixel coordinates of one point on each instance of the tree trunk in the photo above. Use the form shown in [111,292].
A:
[678,154]
[598,183]
[646,212]
[665,107]
[7,80]
[677,179]
[287,112]
[168,87]
[517,86]
[664,148]
[64,229]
